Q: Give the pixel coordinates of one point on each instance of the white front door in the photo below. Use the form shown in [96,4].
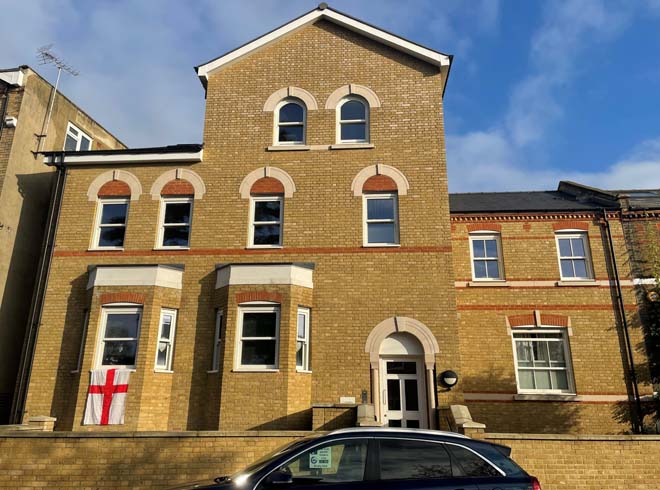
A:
[403,390]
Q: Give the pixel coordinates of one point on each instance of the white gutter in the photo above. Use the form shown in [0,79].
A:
[108,159]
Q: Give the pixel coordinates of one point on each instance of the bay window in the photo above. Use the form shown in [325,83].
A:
[258,337]
[120,333]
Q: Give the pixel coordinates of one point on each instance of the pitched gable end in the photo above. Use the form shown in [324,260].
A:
[441,60]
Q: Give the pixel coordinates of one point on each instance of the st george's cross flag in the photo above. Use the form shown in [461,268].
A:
[106,398]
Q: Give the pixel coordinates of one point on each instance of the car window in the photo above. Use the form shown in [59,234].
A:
[404,459]
[471,464]
[338,461]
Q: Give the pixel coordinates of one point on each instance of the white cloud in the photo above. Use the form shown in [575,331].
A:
[486,162]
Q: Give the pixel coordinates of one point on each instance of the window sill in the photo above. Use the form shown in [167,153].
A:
[170,248]
[545,397]
[264,370]
[303,371]
[579,283]
[352,146]
[213,371]
[288,148]
[488,284]
[263,247]
[163,371]
[105,249]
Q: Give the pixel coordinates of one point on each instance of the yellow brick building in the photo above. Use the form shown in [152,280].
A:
[303,260]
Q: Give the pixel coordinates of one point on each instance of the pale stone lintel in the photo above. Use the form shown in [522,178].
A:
[289,148]
[245,274]
[136,275]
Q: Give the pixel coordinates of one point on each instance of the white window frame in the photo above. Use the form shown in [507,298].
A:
[96,235]
[500,262]
[169,341]
[253,223]
[217,341]
[567,356]
[584,236]
[77,137]
[340,121]
[256,308]
[277,123]
[366,221]
[105,311]
[305,339]
[161,222]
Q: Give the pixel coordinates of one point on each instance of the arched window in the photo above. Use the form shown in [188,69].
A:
[353,120]
[290,122]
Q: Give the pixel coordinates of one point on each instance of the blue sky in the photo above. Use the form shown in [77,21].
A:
[539,91]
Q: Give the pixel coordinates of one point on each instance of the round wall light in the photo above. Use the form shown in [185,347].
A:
[448,379]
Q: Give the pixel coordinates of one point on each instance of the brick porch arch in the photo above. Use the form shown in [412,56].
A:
[111,183]
[429,344]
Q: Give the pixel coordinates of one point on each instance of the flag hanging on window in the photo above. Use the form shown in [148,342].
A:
[106,398]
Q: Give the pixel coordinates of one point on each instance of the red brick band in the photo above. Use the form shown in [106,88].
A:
[115,188]
[178,188]
[267,186]
[108,298]
[246,297]
[379,183]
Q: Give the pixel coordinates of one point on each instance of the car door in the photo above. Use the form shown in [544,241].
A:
[335,465]
[412,464]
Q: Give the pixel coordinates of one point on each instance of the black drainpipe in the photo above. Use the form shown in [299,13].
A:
[3,113]
[637,426]
[36,306]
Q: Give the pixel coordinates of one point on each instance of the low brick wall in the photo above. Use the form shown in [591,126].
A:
[145,460]
[138,460]
[583,462]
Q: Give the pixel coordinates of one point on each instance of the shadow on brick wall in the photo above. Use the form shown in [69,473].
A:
[508,415]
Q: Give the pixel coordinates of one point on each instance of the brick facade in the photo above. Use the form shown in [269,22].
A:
[424,280]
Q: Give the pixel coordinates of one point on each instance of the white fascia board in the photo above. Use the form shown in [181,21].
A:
[191,157]
[239,274]
[14,77]
[136,275]
[428,55]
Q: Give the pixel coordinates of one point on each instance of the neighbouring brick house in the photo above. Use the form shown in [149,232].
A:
[25,186]
[305,259]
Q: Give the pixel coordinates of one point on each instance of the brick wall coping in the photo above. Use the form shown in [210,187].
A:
[574,437]
[158,434]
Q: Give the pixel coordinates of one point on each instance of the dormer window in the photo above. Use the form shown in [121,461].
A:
[290,122]
[353,120]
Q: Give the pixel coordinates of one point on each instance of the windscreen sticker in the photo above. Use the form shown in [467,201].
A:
[321,458]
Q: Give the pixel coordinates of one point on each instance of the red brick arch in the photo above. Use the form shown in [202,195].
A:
[246,297]
[108,298]
[178,187]
[380,183]
[115,188]
[267,186]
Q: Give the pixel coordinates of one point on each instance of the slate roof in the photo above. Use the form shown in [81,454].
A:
[533,201]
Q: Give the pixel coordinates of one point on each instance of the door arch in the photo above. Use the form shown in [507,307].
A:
[402,339]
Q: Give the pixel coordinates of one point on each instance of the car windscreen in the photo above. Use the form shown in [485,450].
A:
[263,461]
